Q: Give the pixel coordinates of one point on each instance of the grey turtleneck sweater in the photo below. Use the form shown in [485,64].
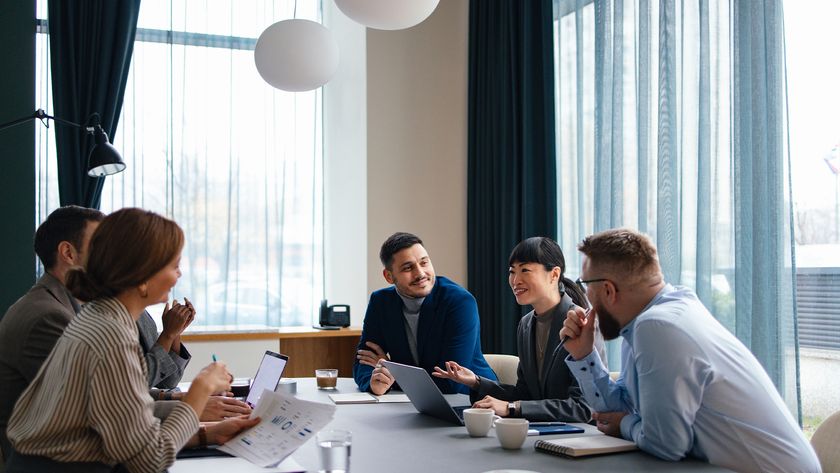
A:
[411,313]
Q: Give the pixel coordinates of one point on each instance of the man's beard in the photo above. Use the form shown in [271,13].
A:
[607,323]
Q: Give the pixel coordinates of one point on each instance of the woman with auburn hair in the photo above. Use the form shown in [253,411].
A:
[545,390]
[88,408]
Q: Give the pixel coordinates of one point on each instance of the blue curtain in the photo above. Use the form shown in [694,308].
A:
[511,162]
[91,42]
[672,116]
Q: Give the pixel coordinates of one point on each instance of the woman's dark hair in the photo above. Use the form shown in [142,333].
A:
[547,252]
[129,247]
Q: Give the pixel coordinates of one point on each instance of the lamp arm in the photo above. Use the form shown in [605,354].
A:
[42,115]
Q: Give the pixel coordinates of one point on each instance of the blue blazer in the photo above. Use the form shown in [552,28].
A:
[448,330]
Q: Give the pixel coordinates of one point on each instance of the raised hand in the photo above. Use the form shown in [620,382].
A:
[456,373]
[579,327]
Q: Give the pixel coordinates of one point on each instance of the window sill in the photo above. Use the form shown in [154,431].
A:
[227,333]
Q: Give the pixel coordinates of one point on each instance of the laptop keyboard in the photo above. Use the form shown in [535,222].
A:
[460,410]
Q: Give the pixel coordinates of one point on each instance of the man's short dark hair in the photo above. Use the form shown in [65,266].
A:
[396,243]
[64,224]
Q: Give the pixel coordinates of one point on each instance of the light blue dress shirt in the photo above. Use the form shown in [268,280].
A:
[691,388]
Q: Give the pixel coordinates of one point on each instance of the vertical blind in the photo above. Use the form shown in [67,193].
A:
[671,120]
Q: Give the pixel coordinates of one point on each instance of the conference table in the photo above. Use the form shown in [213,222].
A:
[394,437]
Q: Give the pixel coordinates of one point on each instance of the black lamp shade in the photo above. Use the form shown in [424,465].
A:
[104,159]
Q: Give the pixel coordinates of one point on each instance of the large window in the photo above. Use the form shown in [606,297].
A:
[814,101]
[208,143]
[671,119]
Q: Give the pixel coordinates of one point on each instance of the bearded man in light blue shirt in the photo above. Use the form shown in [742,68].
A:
[687,387]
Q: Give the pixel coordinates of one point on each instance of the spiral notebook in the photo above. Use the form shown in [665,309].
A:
[585,446]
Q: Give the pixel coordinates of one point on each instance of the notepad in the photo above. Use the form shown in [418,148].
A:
[585,446]
[365,398]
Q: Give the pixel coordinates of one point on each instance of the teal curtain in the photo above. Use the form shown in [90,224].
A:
[511,161]
[91,42]
[672,115]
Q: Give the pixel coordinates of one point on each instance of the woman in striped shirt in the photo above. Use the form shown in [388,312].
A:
[88,408]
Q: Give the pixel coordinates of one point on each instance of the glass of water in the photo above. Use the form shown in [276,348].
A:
[334,449]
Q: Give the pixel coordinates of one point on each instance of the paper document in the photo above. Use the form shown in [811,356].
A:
[365,398]
[286,423]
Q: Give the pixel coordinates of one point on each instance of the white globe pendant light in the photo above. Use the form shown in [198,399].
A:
[387,14]
[296,55]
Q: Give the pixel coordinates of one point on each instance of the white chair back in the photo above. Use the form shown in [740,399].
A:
[826,441]
[504,366]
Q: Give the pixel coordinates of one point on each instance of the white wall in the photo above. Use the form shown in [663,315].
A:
[345,176]
[417,139]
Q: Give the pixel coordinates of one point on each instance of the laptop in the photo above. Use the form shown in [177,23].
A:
[267,377]
[424,393]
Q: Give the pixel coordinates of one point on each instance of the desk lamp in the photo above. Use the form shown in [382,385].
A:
[103,159]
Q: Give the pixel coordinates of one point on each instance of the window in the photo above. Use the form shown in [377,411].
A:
[208,143]
[814,99]
[657,130]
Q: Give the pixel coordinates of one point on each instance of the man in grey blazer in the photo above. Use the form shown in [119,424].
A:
[33,324]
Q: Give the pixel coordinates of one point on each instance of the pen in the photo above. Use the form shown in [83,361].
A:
[548,423]
[214,357]
[566,337]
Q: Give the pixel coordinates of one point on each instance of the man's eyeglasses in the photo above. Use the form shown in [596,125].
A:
[582,283]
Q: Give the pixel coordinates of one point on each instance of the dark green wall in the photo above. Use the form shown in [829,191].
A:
[17,149]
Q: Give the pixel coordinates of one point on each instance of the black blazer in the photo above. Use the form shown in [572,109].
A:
[558,397]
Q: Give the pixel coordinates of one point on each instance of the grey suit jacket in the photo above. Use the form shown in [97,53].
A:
[28,333]
[165,369]
[558,397]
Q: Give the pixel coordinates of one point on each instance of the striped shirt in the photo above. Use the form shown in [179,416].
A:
[90,401]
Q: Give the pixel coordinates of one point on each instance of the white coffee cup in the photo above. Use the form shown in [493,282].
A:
[479,421]
[511,432]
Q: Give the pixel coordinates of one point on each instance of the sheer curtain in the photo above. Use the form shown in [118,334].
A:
[235,162]
[671,119]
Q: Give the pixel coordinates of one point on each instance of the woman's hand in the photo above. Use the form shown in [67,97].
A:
[457,373]
[221,432]
[213,377]
[221,407]
[490,402]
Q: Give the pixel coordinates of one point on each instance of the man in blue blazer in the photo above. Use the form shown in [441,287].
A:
[421,320]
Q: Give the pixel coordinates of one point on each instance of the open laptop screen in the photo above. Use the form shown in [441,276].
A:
[268,375]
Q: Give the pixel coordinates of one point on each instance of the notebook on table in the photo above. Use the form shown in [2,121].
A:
[365,398]
[585,446]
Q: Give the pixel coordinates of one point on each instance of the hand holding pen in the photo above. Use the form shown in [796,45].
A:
[578,333]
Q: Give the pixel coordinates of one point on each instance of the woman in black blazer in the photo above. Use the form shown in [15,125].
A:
[545,390]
